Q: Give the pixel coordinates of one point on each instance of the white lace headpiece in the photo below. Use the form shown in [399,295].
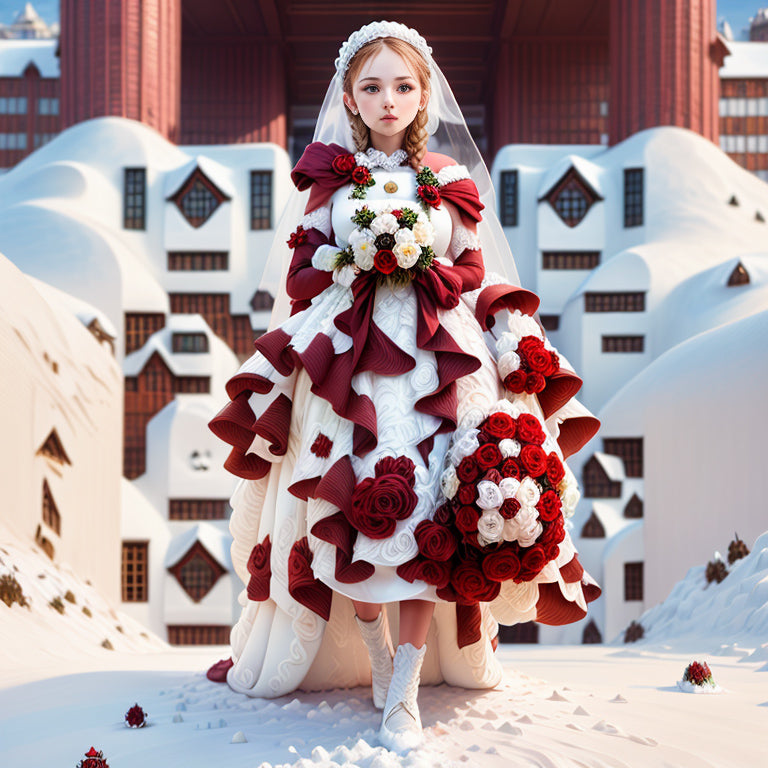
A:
[375,30]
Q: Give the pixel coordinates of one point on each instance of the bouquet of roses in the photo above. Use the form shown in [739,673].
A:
[507,493]
[393,241]
[526,358]
[698,678]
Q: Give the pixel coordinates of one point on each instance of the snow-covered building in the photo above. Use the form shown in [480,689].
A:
[168,243]
[61,425]
[640,252]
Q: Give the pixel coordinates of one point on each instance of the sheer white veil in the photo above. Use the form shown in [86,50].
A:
[448,134]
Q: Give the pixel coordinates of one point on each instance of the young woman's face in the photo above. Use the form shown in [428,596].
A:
[387,95]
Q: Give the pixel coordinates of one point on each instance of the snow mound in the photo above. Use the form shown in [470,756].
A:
[64,615]
[729,618]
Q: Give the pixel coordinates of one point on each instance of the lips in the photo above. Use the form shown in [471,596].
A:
[389,118]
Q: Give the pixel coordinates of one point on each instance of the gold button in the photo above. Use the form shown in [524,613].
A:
[390,187]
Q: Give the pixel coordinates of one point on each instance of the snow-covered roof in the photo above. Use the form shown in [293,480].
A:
[747,59]
[16,54]
[84,311]
[215,540]
[180,363]
[613,466]
[589,171]
[216,172]
[611,515]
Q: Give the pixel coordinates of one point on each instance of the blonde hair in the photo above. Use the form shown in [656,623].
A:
[415,140]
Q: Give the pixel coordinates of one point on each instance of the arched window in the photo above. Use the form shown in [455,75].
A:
[593,528]
[591,634]
[634,507]
[739,276]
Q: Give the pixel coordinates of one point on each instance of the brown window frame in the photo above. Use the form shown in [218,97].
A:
[633,581]
[137,592]
[261,199]
[624,344]
[614,301]
[198,509]
[135,198]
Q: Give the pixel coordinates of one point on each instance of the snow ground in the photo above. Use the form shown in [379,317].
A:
[594,706]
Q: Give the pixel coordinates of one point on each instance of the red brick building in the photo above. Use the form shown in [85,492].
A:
[565,71]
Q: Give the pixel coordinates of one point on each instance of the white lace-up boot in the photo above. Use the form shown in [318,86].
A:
[376,637]
[401,722]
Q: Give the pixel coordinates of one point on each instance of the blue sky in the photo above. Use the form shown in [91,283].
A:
[737,12]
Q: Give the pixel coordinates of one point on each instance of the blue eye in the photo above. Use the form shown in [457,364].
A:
[368,88]
[406,87]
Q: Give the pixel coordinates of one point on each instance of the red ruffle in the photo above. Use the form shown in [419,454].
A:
[560,388]
[303,587]
[552,607]
[463,194]
[468,624]
[494,298]
[316,167]
[217,673]
[575,433]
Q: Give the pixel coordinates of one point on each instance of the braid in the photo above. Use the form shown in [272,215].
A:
[416,137]
[360,133]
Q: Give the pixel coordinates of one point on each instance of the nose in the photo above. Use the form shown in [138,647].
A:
[388,99]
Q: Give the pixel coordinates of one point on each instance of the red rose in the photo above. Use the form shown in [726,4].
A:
[555,468]
[260,571]
[488,456]
[396,465]
[361,175]
[322,446]
[540,360]
[472,585]
[549,505]
[534,383]
[533,459]
[511,468]
[436,573]
[515,381]
[435,541]
[466,519]
[509,508]
[429,194]
[533,561]
[467,470]
[494,476]
[501,565]
[500,425]
[554,532]
[344,164]
[443,514]
[529,429]
[551,551]
[466,494]
[379,502]
[299,237]
[527,346]
[397,213]
[554,364]
[385,261]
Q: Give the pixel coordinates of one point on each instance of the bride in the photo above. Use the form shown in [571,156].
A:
[402,465]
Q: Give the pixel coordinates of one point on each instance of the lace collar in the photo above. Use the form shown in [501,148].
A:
[375,158]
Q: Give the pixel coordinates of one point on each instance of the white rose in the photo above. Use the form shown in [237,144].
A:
[466,445]
[407,254]
[504,406]
[449,482]
[508,362]
[507,342]
[520,325]
[509,448]
[508,487]
[424,232]
[488,495]
[490,528]
[324,258]
[569,492]
[523,527]
[384,223]
[404,235]
[528,494]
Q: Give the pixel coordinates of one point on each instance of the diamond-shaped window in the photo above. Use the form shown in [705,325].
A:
[197,572]
[572,197]
[197,198]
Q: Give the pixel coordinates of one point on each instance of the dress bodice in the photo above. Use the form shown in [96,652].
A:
[343,206]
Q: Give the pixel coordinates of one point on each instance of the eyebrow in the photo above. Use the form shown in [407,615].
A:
[377,79]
